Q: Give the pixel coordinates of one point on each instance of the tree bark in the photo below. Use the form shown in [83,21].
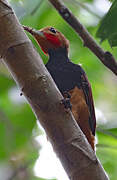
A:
[30,74]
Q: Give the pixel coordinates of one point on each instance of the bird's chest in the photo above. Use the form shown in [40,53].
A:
[63,76]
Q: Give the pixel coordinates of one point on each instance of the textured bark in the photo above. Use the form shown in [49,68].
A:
[104,56]
[30,74]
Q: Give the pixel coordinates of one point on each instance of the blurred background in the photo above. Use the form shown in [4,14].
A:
[25,153]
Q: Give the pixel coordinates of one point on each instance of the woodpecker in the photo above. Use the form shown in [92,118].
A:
[70,78]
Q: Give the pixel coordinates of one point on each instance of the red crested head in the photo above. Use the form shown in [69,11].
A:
[49,38]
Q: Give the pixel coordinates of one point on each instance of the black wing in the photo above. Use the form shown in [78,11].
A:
[89,100]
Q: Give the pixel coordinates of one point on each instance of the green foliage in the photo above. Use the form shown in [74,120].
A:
[14,132]
[107,157]
[6,82]
[17,122]
[107,151]
[37,178]
[108,26]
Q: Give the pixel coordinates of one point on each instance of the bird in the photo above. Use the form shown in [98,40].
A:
[70,79]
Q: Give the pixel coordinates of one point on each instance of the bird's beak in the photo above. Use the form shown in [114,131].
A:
[34,32]
[39,36]
[38,33]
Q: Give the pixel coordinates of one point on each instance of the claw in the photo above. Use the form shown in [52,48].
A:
[66,101]
[66,95]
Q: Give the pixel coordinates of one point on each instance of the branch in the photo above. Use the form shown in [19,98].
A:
[29,72]
[104,56]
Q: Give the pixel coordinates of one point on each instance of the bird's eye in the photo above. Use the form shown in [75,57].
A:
[52,30]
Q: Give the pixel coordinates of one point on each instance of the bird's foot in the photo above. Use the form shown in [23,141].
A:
[66,101]
[66,95]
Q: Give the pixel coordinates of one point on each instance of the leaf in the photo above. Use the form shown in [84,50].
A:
[108,26]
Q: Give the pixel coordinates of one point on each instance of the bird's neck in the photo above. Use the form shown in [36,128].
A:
[58,56]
